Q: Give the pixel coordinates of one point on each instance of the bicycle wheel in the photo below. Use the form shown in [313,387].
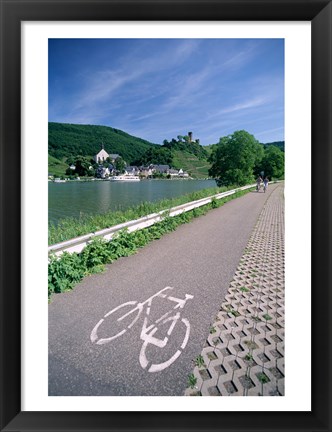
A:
[115,323]
[161,344]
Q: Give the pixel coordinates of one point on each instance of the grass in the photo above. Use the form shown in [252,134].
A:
[199,361]
[65,272]
[263,378]
[69,228]
[189,162]
[56,167]
[244,289]
[192,380]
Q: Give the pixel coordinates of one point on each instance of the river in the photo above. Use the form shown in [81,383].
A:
[75,198]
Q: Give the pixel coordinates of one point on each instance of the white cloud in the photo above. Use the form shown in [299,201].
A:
[252,103]
[266,132]
[101,85]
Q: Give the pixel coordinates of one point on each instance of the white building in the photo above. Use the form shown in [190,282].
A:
[183,173]
[101,156]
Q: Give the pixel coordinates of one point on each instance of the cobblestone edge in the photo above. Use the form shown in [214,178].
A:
[244,352]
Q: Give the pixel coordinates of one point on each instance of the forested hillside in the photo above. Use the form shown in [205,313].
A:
[66,140]
[180,154]
[279,144]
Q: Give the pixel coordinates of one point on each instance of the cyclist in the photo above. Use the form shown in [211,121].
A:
[266,182]
[258,183]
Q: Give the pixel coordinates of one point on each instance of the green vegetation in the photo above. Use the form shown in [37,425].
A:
[157,155]
[69,143]
[273,162]
[180,153]
[239,158]
[189,155]
[70,227]
[83,166]
[56,167]
[189,162]
[192,380]
[67,270]
[279,144]
[183,144]
[249,357]
[235,158]
[70,140]
[209,149]
[263,378]
[199,361]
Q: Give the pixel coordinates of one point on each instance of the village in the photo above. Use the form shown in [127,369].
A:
[150,171]
[113,167]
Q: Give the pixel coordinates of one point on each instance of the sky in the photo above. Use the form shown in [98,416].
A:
[157,89]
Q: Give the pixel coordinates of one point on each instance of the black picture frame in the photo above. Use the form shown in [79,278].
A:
[13,12]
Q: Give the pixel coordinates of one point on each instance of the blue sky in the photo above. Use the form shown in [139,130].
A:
[158,89]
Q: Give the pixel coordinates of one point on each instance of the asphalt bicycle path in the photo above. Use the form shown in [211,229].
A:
[147,347]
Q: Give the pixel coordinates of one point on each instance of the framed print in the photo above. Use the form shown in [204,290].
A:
[31,32]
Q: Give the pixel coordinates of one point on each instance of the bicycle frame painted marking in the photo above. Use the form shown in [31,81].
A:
[148,331]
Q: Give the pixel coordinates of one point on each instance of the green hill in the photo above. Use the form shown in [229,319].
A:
[198,168]
[65,140]
[279,144]
[56,167]
[70,140]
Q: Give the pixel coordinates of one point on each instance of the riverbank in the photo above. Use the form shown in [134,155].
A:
[78,199]
[68,228]
[65,272]
[89,179]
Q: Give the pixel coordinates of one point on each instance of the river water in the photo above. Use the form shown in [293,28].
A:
[75,198]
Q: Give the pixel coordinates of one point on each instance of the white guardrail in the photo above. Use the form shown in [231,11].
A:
[78,244]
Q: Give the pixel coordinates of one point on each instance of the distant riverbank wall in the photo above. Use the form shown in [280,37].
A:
[79,243]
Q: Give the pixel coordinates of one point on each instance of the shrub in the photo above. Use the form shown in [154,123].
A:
[96,254]
[66,271]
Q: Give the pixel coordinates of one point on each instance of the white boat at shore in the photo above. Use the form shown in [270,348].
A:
[127,178]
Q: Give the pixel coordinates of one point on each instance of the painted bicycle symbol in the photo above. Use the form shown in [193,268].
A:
[117,321]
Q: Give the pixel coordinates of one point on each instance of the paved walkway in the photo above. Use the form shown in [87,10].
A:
[198,261]
[244,352]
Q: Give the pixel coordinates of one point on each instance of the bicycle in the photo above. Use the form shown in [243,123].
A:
[124,322]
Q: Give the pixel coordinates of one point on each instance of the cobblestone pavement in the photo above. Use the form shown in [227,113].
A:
[244,352]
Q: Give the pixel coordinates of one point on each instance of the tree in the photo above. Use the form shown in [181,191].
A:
[82,165]
[273,162]
[120,165]
[71,160]
[234,159]
[156,155]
